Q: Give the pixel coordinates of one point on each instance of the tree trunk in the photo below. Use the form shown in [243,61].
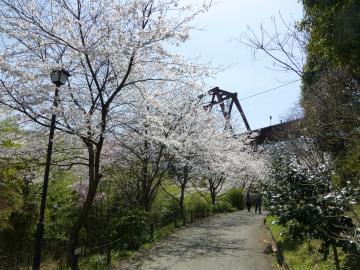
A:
[147,199]
[336,257]
[74,234]
[108,232]
[212,190]
[213,196]
[152,229]
[145,178]
[94,179]
[181,205]
[325,250]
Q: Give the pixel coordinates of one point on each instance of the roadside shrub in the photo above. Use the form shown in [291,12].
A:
[171,212]
[235,197]
[133,229]
[164,208]
[198,206]
[222,207]
[164,231]
[95,262]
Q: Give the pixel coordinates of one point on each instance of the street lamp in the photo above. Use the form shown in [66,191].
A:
[58,77]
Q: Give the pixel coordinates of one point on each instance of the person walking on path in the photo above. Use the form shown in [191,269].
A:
[258,200]
[248,201]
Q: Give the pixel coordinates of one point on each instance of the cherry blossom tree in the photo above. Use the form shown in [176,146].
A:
[171,135]
[142,148]
[189,147]
[109,47]
[236,160]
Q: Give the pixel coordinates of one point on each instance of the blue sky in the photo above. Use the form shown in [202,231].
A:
[229,19]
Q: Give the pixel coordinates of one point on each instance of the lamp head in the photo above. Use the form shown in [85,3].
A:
[59,77]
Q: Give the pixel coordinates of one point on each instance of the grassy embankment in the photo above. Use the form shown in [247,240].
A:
[301,254]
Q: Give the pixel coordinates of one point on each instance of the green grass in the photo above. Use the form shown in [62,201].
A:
[98,261]
[301,255]
[164,231]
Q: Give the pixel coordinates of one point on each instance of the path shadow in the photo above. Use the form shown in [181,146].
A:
[210,238]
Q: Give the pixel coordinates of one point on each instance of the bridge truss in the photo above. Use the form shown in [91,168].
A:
[219,97]
[274,133]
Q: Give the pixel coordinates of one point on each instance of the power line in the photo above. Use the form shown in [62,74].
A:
[267,91]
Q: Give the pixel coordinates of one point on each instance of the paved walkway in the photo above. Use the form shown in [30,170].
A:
[233,241]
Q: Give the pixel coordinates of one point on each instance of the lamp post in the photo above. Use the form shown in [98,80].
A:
[58,77]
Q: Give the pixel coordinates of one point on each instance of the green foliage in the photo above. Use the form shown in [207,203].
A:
[133,229]
[331,109]
[9,126]
[164,231]
[348,165]
[165,209]
[299,254]
[95,262]
[9,144]
[222,207]
[169,212]
[18,232]
[10,195]
[11,177]
[331,85]
[307,204]
[330,98]
[235,196]
[61,206]
[334,28]
[198,206]
[18,211]
[98,261]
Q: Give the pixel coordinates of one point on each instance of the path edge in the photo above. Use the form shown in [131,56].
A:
[143,253]
[280,259]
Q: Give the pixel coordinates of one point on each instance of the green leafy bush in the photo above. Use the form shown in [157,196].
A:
[197,205]
[164,208]
[223,207]
[133,229]
[235,197]
[164,231]
[95,262]
[171,212]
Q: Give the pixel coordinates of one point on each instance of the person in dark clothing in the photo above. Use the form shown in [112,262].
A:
[248,201]
[258,200]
